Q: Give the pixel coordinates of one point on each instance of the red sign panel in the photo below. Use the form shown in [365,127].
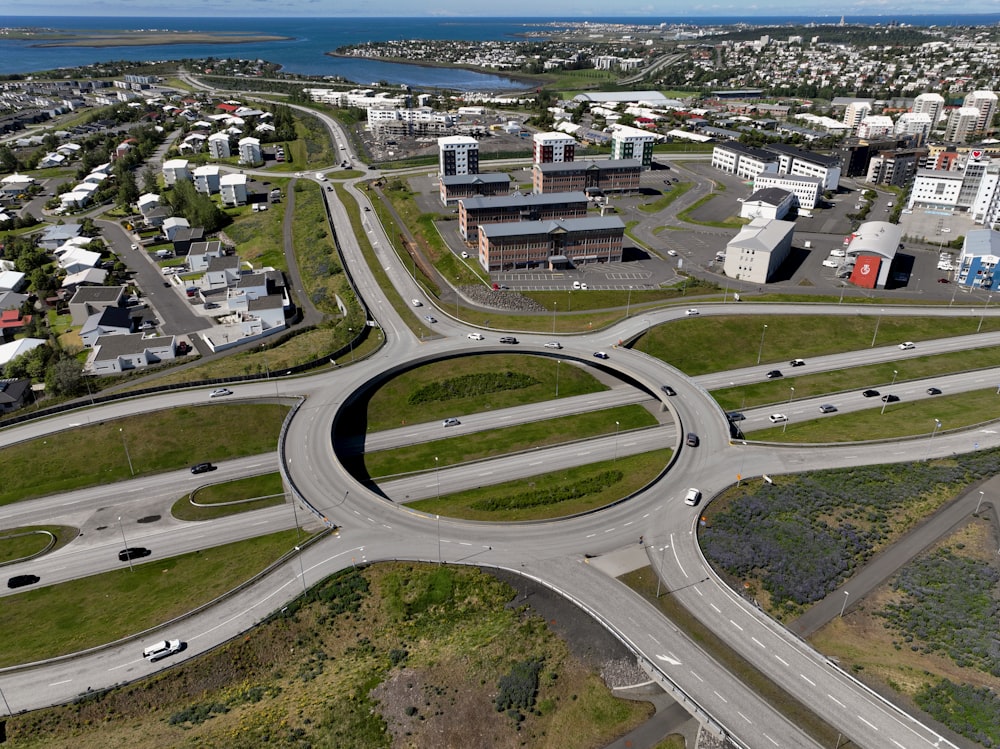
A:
[865,272]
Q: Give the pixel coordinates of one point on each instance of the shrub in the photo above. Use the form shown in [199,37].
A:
[517,690]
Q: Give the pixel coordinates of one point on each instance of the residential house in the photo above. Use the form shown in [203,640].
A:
[233,189]
[12,322]
[176,170]
[90,299]
[218,146]
[88,277]
[114,354]
[77,259]
[12,280]
[199,254]
[106,322]
[172,225]
[185,237]
[14,349]
[206,179]
[14,394]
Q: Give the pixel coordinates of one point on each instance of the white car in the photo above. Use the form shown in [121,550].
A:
[830,263]
[475,337]
[692,497]
[465,255]
[907,345]
[838,253]
[135,247]
[451,422]
[672,253]
[553,344]
[691,312]
[220,392]
[162,649]
[777,418]
[416,303]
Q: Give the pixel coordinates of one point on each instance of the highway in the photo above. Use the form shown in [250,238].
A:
[373,527]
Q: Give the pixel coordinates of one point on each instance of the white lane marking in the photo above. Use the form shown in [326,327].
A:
[770,739]
[758,642]
[808,680]
[717,609]
[610,530]
[464,543]
[744,717]
[57,683]
[668,659]
[783,661]
[835,700]
[721,697]
[868,723]
[486,473]
[590,535]
[677,558]
[651,637]
[736,625]
[696,676]
[628,524]
[897,743]
[645,516]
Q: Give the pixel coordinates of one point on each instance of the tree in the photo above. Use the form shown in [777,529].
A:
[65,376]
[148,179]
[128,191]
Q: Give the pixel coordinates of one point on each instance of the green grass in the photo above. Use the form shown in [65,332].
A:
[902,419]
[251,493]
[852,378]
[670,194]
[735,341]
[389,406]
[638,471]
[156,442]
[64,618]
[258,236]
[481,445]
[687,215]
[19,543]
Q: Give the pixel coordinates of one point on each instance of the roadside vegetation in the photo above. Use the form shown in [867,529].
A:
[391,654]
[231,498]
[137,446]
[24,542]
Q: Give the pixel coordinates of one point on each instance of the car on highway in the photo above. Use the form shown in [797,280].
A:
[553,344]
[827,408]
[475,337]
[777,418]
[202,468]
[668,390]
[692,440]
[508,339]
[601,355]
[416,303]
[133,552]
[162,649]
[797,363]
[907,345]
[19,581]
[870,393]
[692,497]
[220,392]
[735,416]
[774,374]
[672,253]
[890,398]
[451,421]
[430,318]
[367,208]
[691,312]
[933,391]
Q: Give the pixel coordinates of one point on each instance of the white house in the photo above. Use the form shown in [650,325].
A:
[14,349]
[176,170]
[769,203]
[147,203]
[233,189]
[172,225]
[118,353]
[77,259]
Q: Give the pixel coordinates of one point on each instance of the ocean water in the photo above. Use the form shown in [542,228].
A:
[311,38]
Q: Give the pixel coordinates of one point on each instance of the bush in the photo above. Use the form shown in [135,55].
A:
[517,690]
[470,385]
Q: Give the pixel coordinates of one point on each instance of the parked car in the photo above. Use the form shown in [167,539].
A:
[691,312]
[827,408]
[907,345]
[890,398]
[202,468]
[668,390]
[133,552]
[943,280]
[465,255]
[147,325]
[450,422]
[797,363]
[220,392]
[508,339]
[777,418]
[774,374]
[692,497]
[475,336]
[933,391]
[601,355]
[162,649]
[870,393]
[19,581]
[553,344]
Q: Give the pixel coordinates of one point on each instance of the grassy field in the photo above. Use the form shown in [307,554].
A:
[390,406]
[487,444]
[19,543]
[258,236]
[45,622]
[391,655]
[155,442]
[252,493]
[636,472]
[735,340]
[902,419]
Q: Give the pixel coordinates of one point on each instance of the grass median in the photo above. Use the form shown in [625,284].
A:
[110,451]
[20,543]
[231,498]
[84,613]
[581,489]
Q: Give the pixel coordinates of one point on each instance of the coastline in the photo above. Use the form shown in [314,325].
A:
[529,82]
[156,40]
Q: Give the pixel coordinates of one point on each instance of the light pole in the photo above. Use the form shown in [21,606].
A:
[981,316]
[350,342]
[617,426]
[937,425]
[885,398]
[127,456]
[628,303]
[439,534]
[129,556]
[558,362]
[842,608]
[784,424]
[760,349]
[2,696]
[953,293]
[267,369]
[569,307]
[877,321]
[554,305]
[842,287]
[302,569]
[437,475]
[981,495]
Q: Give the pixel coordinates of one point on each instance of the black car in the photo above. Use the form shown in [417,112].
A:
[797,363]
[890,398]
[735,416]
[774,374]
[19,581]
[668,390]
[870,393]
[933,391]
[133,552]
[202,468]
[508,339]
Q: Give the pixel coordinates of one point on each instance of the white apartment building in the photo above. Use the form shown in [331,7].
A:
[250,152]
[914,123]
[930,104]
[175,170]
[632,143]
[855,112]
[875,126]
[806,190]
[553,148]
[756,252]
[985,102]
[233,189]
[793,160]
[458,154]
[743,161]
[961,124]
[218,146]
[206,179]
[398,121]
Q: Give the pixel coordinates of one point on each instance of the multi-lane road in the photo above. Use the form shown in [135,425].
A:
[375,526]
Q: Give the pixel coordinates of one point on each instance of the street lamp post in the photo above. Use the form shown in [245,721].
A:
[129,556]
[438,517]
[127,456]
[554,305]
[558,362]
[760,349]
[628,303]
[885,399]
[981,316]
[437,475]
[569,307]
[937,425]
[877,321]
[617,426]
[981,495]
[302,569]
[791,396]
[267,369]
[350,341]
[4,698]
[842,608]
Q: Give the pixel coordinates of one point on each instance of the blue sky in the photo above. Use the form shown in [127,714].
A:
[478,8]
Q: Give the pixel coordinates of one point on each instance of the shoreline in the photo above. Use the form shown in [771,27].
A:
[522,78]
[155,40]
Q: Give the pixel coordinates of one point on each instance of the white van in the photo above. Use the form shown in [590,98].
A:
[692,497]
[162,649]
